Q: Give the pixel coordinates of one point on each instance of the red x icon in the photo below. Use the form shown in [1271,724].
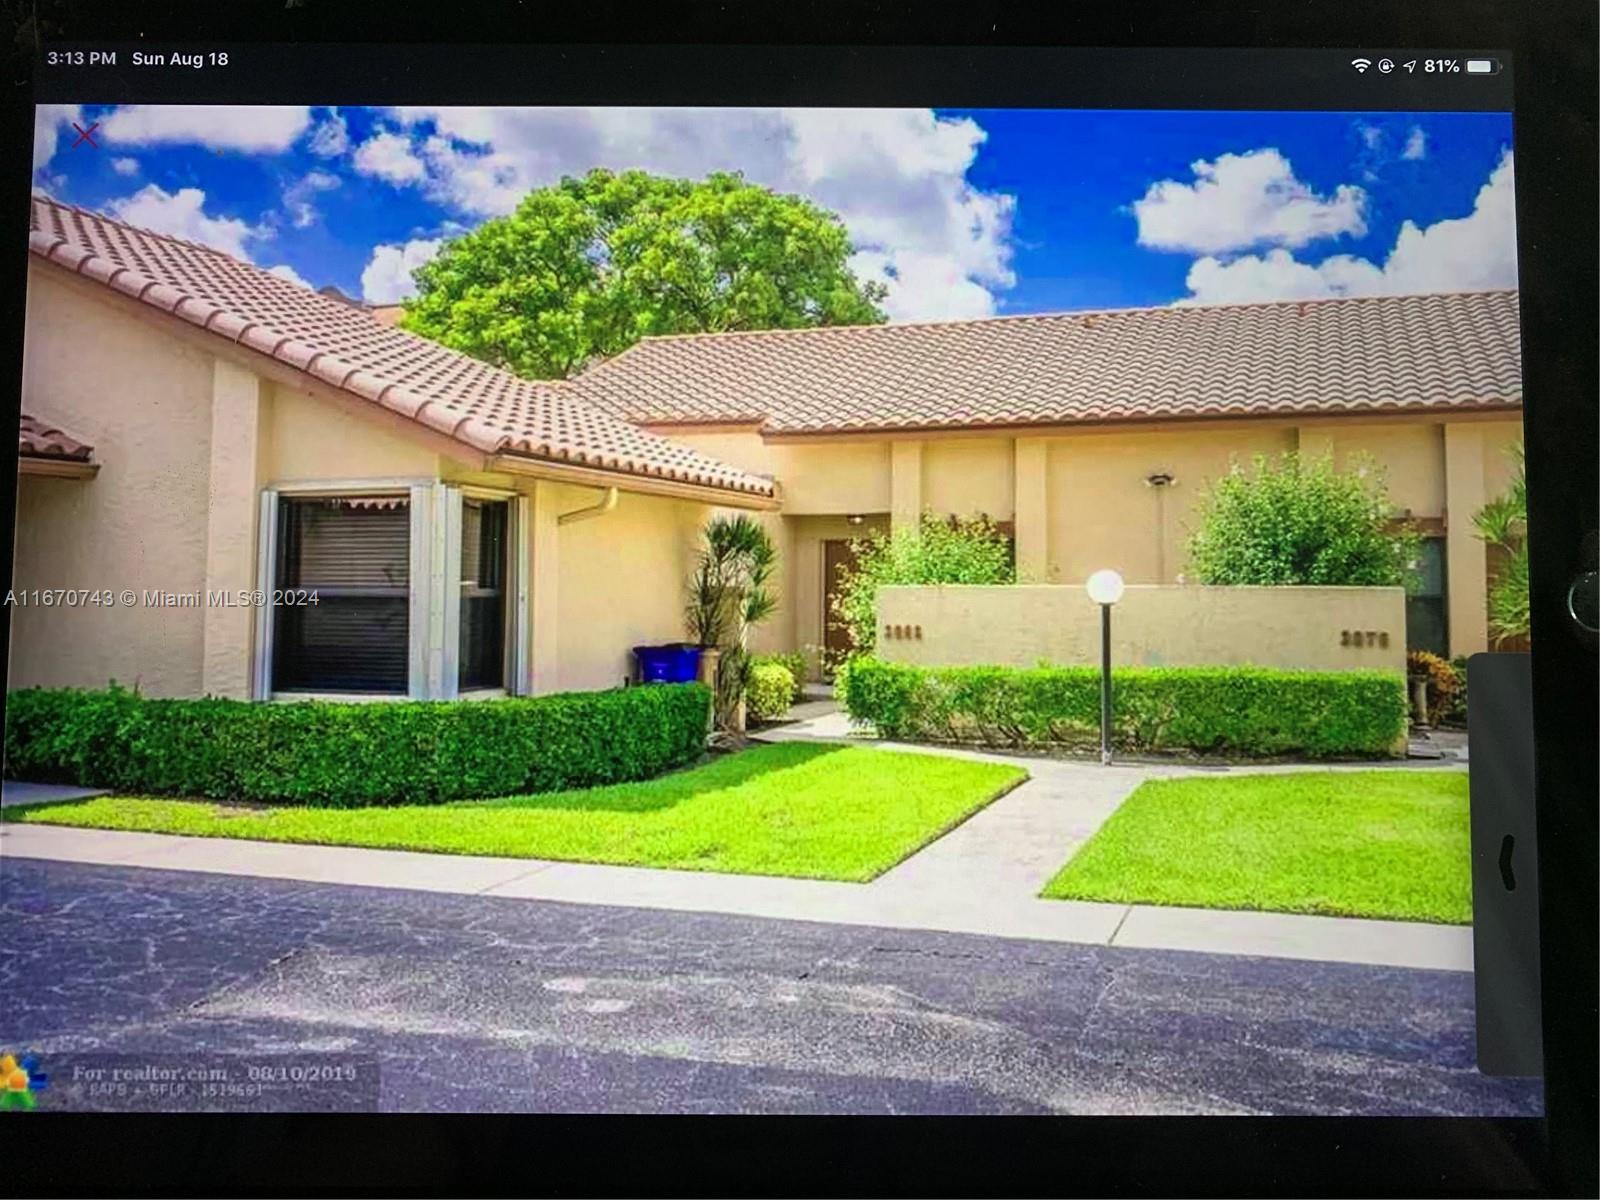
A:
[86,135]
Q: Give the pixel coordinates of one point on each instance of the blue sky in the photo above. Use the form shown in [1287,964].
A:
[962,213]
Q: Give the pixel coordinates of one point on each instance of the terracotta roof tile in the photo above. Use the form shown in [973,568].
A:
[38,439]
[482,406]
[1442,352]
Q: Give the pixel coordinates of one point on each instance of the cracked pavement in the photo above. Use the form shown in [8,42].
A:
[478,1003]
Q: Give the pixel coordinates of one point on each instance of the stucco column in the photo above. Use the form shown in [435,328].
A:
[905,485]
[1032,510]
[231,516]
[1466,557]
[544,550]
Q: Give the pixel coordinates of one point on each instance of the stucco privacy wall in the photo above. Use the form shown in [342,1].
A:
[1304,628]
[144,402]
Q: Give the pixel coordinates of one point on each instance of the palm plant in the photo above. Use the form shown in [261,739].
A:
[729,593]
[1503,523]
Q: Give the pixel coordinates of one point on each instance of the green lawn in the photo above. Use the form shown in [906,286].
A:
[1347,843]
[817,811]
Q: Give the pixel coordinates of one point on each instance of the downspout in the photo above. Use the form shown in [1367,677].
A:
[598,509]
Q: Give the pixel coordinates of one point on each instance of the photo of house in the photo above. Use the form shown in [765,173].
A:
[767,610]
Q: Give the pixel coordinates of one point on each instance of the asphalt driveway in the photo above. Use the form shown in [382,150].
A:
[475,1003]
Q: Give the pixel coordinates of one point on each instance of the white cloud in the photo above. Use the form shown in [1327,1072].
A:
[1466,253]
[331,137]
[387,277]
[1416,144]
[48,122]
[125,166]
[285,271]
[253,128]
[389,156]
[182,214]
[1242,200]
[897,178]
[298,196]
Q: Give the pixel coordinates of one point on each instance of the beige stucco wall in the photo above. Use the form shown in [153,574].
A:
[1410,457]
[966,476]
[836,477]
[1153,625]
[309,439]
[620,582]
[1499,437]
[1103,514]
[144,402]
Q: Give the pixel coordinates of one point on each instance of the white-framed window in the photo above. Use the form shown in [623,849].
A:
[391,589]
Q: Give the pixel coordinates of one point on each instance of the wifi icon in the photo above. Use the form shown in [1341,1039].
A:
[1361,64]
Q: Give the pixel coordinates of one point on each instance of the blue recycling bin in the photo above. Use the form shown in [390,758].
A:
[676,662]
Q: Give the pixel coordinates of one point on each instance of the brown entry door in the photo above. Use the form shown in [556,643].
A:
[836,639]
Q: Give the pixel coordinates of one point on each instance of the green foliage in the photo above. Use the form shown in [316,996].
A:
[804,809]
[584,268]
[729,592]
[769,692]
[1301,522]
[1443,683]
[1455,712]
[1503,523]
[347,755]
[1234,711]
[794,663]
[1391,843]
[939,550]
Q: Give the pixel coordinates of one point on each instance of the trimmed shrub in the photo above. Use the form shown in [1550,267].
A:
[937,550]
[770,691]
[795,664]
[1234,711]
[348,754]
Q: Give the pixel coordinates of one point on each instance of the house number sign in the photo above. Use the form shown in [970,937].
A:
[1364,637]
[901,632]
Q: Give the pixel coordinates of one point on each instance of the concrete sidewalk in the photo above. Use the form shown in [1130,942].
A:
[908,897]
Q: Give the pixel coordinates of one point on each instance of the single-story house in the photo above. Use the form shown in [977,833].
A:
[196,429]
[203,443]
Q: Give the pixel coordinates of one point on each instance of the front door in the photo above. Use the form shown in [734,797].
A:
[837,556]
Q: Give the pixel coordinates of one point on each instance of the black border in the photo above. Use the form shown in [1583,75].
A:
[1554,46]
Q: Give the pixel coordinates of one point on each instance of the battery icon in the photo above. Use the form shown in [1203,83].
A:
[1480,66]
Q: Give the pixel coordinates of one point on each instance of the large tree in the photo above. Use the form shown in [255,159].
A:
[586,267]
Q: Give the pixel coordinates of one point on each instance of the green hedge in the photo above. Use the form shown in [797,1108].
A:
[348,754]
[1233,711]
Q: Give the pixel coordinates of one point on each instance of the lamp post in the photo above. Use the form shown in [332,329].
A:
[1105,589]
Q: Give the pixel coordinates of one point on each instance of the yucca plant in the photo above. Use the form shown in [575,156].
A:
[729,593]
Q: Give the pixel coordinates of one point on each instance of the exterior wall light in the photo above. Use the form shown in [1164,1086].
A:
[1105,589]
[855,519]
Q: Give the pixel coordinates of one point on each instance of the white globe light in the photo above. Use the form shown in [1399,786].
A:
[1105,587]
